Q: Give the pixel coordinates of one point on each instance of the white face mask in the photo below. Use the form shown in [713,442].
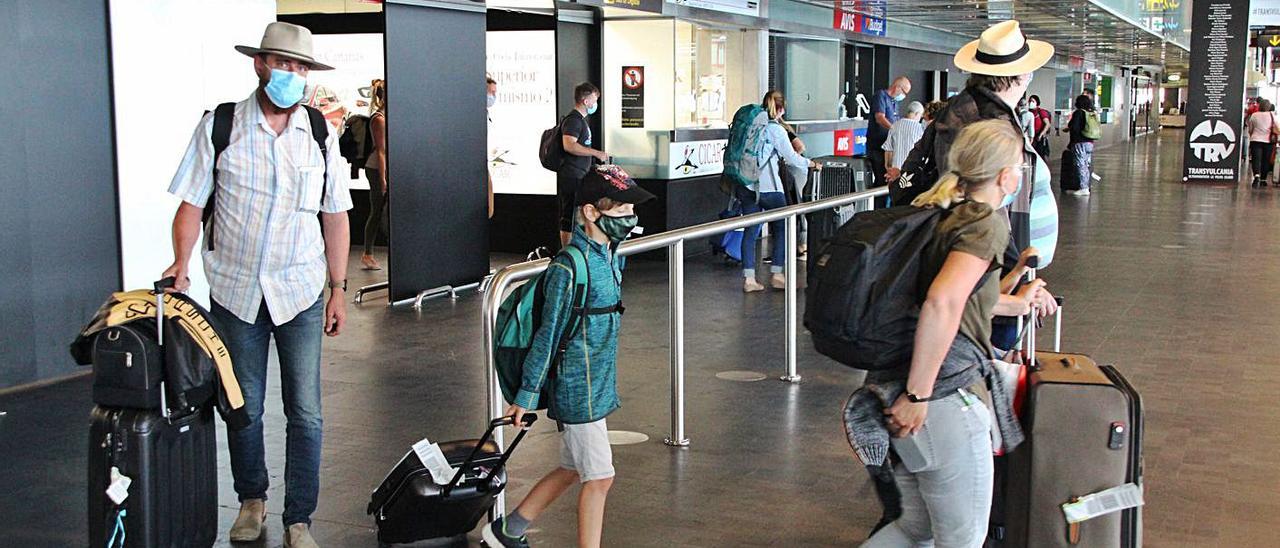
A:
[491,100]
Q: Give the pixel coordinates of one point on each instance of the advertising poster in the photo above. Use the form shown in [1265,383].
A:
[524,65]
[357,60]
[632,97]
[1216,91]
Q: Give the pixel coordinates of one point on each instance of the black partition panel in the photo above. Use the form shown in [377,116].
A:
[436,136]
[59,244]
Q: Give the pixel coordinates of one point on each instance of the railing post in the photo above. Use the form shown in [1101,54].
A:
[675,266]
[792,309]
[489,309]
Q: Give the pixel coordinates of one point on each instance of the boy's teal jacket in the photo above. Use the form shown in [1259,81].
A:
[586,384]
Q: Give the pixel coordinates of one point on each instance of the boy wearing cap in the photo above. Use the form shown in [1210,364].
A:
[585,389]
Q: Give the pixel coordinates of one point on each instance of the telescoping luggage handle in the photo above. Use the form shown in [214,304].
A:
[494,424]
[158,290]
[1027,337]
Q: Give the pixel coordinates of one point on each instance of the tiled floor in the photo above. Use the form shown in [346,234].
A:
[1175,284]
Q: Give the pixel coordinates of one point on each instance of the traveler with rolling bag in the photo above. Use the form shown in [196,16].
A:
[152,475]
[932,392]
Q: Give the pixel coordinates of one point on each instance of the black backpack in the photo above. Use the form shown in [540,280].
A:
[865,288]
[356,142]
[223,116]
[551,147]
[919,171]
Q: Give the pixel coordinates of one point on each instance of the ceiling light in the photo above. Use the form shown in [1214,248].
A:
[1175,77]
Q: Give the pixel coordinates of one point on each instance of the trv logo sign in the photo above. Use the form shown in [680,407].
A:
[1212,140]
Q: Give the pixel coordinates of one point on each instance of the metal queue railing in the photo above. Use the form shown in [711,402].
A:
[673,241]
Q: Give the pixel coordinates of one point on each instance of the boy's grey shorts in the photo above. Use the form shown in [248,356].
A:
[585,449]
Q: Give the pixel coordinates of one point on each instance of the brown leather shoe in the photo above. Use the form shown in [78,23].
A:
[298,535]
[248,526]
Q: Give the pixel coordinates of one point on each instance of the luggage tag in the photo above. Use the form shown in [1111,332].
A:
[1105,502]
[433,458]
[118,490]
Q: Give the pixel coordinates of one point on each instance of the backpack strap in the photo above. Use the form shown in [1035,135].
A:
[223,116]
[320,132]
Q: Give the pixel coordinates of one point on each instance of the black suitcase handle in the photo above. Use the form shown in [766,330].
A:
[528,420]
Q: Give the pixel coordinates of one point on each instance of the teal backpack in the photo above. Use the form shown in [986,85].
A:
[744,155]
[520,317]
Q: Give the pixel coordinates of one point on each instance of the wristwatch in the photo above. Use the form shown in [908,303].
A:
[335,285]
[914,398]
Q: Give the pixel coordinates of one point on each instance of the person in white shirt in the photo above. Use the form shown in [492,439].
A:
[903,136]
[267,256]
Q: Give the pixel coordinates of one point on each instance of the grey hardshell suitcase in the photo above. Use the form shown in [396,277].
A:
[1083,425]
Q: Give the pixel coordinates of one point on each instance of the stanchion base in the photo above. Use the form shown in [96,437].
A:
[789,378]
[676,443]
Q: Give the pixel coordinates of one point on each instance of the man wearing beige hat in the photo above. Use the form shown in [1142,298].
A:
[272,166]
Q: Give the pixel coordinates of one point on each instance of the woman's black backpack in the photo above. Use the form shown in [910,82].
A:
[864,292]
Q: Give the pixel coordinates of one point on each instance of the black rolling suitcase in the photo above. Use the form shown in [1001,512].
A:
[153,476]
[409,506]
[173,467]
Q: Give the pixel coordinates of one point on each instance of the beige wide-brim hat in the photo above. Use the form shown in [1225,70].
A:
[1002,50]
[286,40]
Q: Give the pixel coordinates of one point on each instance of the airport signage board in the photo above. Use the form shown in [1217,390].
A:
[1215,102]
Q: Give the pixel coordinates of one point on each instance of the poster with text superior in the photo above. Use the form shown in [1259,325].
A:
[357,59]
[632,97]
[524,65]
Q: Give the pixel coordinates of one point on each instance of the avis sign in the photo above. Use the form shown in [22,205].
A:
[1215,91]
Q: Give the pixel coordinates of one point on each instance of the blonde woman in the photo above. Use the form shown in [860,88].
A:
[935,410]
[375,169]
[769,193]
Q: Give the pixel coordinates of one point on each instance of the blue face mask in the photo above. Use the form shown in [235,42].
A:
[285,88]
[1008,198]
[592,109]
[899,97]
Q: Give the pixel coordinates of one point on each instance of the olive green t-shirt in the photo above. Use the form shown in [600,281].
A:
[976,229]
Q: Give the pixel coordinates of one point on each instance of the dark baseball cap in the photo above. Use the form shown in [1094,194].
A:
[612,182]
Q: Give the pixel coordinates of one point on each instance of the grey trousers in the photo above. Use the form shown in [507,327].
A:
[946,503]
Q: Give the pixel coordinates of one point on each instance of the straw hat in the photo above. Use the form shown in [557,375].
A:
[286,40]
[1002,50]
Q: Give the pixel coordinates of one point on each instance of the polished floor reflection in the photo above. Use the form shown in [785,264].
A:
[1174,284]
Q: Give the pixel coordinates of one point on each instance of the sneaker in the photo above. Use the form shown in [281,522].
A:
[248,525]
[778,281]
[494,537]
[750,285]
[1082,192]
[298,535]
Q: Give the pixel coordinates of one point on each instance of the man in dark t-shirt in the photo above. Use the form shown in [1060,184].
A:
[575,135]
[884,112]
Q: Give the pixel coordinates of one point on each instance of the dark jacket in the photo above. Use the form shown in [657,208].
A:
[929,159]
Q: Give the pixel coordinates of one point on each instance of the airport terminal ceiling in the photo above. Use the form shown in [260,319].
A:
[1148,32]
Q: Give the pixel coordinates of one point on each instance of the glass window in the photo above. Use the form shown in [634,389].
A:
[704,72]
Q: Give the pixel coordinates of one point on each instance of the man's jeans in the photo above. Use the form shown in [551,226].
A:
[298,345]
[947,503]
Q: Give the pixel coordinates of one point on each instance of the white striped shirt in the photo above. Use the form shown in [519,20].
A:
[267,242]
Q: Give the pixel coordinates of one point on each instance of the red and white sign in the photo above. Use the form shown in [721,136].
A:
[846,21]
[844,142]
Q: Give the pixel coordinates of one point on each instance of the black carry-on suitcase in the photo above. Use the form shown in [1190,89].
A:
[409,506]
[162,470]
[173,497]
